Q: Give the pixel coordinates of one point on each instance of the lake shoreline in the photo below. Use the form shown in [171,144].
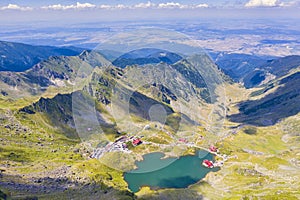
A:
[163,173]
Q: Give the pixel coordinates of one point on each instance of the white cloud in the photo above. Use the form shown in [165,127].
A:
[15,7]
[105,6]
[120,6]
[84,5]
[145,5]
[290,4]
[113,7]
[204,5]
[172,5]
[180,6]
[262,3]
[78,6]
[149,4]
[54,7]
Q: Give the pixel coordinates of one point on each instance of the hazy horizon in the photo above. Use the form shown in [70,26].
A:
[72,12]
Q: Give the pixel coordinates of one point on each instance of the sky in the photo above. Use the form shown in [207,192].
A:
[59,11]
[71,4]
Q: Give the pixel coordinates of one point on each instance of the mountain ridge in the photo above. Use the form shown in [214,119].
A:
[20,57]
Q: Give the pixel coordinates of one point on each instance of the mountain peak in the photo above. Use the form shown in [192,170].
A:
[84,53]
[146,56]
[94,58]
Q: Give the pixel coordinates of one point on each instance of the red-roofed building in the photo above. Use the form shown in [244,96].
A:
[207,163]
[212,148]
[136,142]
[183,140]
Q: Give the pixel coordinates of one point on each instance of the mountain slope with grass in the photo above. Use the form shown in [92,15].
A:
[237,66]
[253,70]
[57,71]
[270,70]
[48,138]
[275,101]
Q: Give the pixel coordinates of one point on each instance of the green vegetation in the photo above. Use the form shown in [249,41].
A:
[250,130]
[258,160]
[272,107]
[107,176]
[3,196]
[173,121]
[262,91]
[41,152]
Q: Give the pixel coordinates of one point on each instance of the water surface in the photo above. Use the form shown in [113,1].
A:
[157,173]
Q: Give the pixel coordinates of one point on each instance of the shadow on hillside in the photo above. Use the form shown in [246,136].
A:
[267,111]
[59,112]
[178,194]
[140,105]
[59,188]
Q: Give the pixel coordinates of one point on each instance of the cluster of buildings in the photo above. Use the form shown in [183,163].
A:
[123,142]
[120,144]
[124,139]
[210,163]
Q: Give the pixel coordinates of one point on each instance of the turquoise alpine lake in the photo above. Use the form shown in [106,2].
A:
[158,172]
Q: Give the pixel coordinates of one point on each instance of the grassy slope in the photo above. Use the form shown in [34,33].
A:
[264,165]
[277,100]
[265,172]
[32,149]
[262,168]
